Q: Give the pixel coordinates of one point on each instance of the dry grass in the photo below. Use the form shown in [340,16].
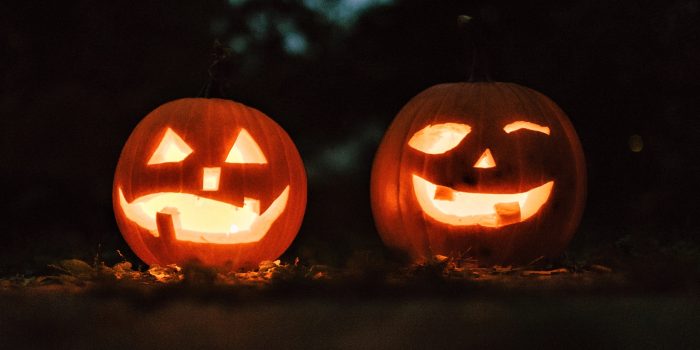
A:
[442,275]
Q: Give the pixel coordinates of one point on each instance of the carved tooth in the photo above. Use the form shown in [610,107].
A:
[166,228]
[508,213]
[444,193]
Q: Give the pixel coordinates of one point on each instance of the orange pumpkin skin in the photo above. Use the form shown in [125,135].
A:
[523,159]
[209,127]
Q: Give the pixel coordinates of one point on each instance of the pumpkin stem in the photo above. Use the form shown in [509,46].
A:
[475,34]
[218,71]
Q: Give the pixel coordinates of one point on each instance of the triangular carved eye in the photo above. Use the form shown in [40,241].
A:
[245,150]
[172,149]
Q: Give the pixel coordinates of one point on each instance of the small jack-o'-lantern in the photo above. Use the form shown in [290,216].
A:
[209,180]
[490,170]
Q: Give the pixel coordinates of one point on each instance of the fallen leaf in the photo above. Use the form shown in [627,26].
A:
[76,268]
[600,268]
[166,274]
[440,258]
[544,272]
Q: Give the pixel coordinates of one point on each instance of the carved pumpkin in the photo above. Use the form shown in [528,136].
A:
[210,180]
[490,170]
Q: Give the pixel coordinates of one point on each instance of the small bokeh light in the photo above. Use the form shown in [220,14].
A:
[636,144]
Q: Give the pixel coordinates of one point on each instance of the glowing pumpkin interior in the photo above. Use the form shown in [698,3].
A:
[458,208]
[200,219]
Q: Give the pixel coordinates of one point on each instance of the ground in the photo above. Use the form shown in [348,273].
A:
[444,303]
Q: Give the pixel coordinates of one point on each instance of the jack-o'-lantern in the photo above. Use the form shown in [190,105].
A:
[209,180]
[484,169]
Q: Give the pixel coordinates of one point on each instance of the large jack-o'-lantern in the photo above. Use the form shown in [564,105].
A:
[209,180]
[485,169]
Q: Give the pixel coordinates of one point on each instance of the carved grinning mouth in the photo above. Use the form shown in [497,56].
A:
[204,220]
[473,208]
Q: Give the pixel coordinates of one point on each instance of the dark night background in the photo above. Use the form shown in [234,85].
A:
[78,76]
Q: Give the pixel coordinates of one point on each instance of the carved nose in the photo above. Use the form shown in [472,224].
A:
[210,179]
[485,160]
